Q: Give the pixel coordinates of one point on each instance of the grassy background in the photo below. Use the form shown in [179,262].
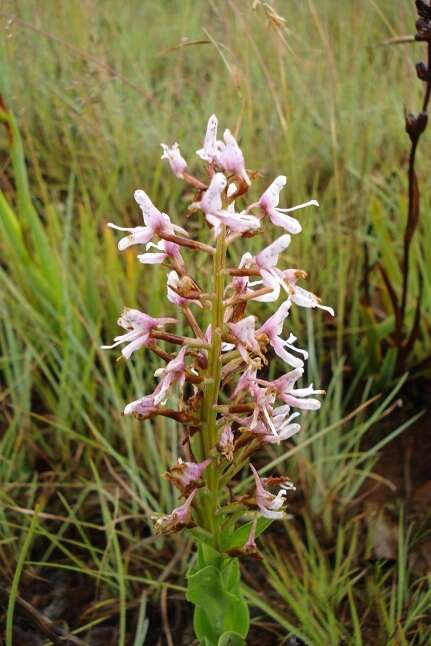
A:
[95,87]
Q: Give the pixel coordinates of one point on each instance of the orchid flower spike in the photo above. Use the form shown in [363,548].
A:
[139,326]
[176,161]
[269,201]
[211,383]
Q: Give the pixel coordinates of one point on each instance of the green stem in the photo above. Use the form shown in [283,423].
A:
[211,394]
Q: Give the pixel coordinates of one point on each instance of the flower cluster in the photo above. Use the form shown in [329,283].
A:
[225,406]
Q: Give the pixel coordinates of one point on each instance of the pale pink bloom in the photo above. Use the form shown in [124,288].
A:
[299,295]
[231,158]
[262,398]
[212,205]
[176,161]
[210,149]
[172,282]
[266,261]
[247,381]
[187,476]
[264,415]
[156,223]
[140,326]
[211,200]
[179,518]
[270,505]
[142,406]
[281,422]
[173,373]
[273,328]
[165,249]
[284,389]
[237,222]
[272,427]
[245,335]
[269,201]
[173,297]
[226,442]
[272,277]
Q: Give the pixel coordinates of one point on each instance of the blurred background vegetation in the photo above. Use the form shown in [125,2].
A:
[316,91]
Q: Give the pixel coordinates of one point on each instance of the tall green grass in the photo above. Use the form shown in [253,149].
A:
[91,89]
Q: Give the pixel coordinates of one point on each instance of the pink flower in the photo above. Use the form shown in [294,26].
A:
[226,442]
[177,163]
[247,381]
[245,336]
[273,327]
[281,422]
[173,373]
[231,158]
[265,262]
[187,476]
[269,203]
[165,249]
[210,149]
[142,406]
[211,201]
[284,389]
[238,222]
[173,283]
[212,205]
[270,506]
[180,517]
[140,326]
[273,277]
[299,295]
[156,223]
[263,400]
